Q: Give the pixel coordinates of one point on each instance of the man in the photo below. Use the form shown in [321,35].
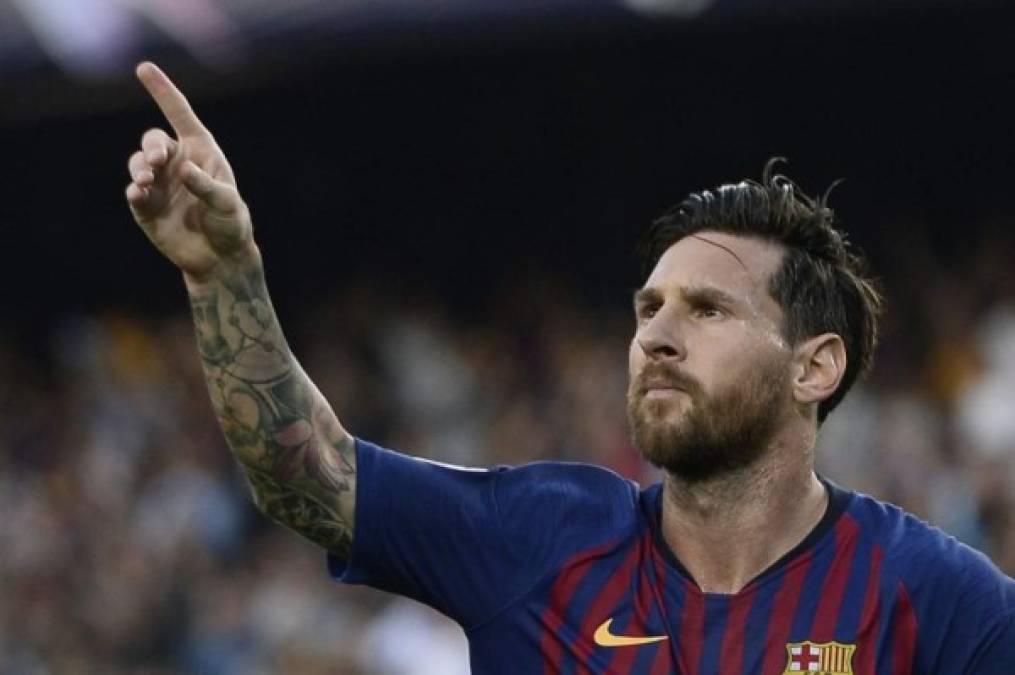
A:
[752,325]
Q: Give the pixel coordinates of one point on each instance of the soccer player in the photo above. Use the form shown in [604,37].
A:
[753,323]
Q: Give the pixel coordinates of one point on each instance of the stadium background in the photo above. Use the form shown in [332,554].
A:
[447,201]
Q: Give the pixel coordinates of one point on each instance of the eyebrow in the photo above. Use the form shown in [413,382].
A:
[691,294]
[644,296]
[708,294]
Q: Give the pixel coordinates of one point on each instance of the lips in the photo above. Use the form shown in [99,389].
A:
[659,394]
[656,377]
[659,384]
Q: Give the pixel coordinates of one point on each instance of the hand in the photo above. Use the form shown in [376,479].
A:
[182,191]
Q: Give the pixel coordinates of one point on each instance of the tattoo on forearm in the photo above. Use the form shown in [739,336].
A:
[300,463]
[302,512]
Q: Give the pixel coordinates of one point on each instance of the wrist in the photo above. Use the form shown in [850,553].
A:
[241,262]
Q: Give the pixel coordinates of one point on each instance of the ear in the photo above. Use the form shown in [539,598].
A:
[820,366]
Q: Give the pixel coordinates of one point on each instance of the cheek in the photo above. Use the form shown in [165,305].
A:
[724,363]
[752,366]
[768,336]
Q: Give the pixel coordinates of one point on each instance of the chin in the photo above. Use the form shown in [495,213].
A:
[665,413]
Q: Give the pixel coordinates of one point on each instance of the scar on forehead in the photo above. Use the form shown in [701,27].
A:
[725,248]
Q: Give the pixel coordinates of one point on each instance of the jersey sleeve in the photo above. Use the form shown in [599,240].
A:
[469,542]
[987,608]
[997,653]
[968,622]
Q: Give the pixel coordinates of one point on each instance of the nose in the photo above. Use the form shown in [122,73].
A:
[660,339]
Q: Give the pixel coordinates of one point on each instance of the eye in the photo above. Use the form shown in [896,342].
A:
[647,310]
[707,311]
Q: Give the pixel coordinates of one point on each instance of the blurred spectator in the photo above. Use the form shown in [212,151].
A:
[128,542]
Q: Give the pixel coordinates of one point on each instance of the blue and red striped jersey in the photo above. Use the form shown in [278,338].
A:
[561,568]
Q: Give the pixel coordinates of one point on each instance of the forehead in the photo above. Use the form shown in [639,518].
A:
[740,266]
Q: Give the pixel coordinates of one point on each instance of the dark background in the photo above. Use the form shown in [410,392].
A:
[461,163]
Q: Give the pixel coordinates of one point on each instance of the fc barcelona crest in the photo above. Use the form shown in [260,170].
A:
[819,658]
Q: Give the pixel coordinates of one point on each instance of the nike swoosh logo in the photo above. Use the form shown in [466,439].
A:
[604,638]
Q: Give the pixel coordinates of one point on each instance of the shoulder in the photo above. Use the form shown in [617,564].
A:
[541,489]
[915,544]
[577,505]
[938,572]
[567,487]
[567,482]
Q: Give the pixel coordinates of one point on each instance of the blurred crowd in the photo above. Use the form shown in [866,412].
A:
[128,543]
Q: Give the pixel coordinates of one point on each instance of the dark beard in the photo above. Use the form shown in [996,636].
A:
[718,434]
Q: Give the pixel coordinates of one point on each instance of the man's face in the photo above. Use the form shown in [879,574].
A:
[709,367]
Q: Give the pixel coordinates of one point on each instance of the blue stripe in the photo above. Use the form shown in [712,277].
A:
[717,613]
[810,593]
[595,580]
[647,654]
[852,600]
[757,622]
[674,600]
[675,597]
[661,613]
[886,634]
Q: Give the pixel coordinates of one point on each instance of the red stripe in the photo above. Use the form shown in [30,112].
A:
[781,620]
[692,628]
[904,638]
[663,662]
[846,534]
[867,634]
[623,659]
[732,648]
[572,573]
[606,601]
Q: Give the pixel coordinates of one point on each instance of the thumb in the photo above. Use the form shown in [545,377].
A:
[218,196]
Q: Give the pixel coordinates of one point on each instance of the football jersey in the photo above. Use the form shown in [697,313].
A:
[556,567]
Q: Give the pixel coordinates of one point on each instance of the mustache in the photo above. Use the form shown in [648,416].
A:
[662,375]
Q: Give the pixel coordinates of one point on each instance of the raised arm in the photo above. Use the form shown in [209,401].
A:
[300,462]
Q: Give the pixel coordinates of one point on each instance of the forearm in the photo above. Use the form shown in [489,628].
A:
[299,461]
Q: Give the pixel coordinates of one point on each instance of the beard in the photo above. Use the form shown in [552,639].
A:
[719,433]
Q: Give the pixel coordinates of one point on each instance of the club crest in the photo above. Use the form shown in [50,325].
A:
[819,658]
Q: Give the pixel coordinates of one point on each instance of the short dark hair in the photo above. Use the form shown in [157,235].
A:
[822,285]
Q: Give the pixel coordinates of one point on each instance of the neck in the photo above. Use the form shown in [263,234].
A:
[727,530]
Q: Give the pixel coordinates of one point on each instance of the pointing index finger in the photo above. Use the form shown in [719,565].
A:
[170,100]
